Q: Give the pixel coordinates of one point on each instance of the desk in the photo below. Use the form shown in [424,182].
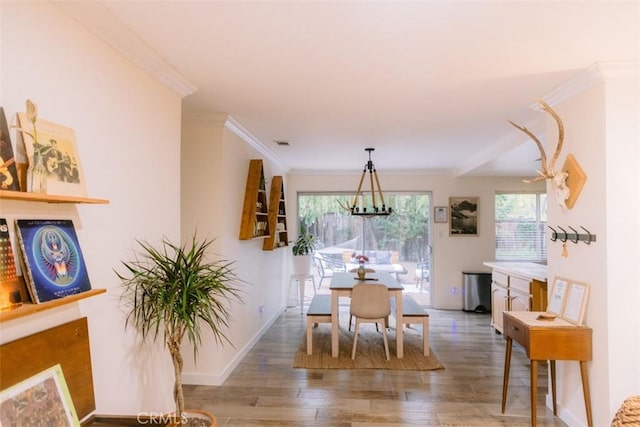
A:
[546,340]
[341,286]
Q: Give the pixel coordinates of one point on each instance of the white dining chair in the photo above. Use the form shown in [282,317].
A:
[370,304]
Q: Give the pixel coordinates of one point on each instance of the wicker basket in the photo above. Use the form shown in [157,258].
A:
[628,414]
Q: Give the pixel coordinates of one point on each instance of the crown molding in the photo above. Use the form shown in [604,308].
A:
[234,126]
[98,19]
[599,72]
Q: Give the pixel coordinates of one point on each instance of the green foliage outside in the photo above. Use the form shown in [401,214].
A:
[406,230]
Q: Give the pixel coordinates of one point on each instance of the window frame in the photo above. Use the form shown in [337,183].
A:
[539,223]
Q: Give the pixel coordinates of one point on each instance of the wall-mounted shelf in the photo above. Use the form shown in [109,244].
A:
[277,215]
[48,198]
[26,309]
[254,223]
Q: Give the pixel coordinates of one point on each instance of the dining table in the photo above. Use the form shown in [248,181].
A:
[342,284]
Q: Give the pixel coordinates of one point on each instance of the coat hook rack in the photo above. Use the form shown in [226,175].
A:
[573,236]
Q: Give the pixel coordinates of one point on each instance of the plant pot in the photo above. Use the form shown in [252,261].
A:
[302,264]
[196,418]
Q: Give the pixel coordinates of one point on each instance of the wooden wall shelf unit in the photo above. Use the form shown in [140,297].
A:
[254,223]
[26,309]
[48,198]
[277,215]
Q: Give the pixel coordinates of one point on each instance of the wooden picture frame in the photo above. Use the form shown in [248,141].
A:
[43,398]
[576,303]
[463,216]
[557,296]
[60,155]
[440,214]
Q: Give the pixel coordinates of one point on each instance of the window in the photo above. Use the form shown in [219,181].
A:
[404,233]
[520,223]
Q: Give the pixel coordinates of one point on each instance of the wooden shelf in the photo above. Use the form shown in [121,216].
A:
[26,309]
[49,198]
[254,223]
[277,214]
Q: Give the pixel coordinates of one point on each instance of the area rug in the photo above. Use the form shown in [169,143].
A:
[369,353]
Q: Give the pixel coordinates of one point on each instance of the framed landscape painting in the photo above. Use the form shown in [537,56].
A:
[463,213]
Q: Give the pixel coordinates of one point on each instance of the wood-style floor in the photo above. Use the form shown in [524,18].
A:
[265,390]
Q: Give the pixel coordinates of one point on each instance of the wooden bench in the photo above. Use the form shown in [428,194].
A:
[411,311]
[319,311]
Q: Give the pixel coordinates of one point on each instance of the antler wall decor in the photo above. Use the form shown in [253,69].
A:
[557,178]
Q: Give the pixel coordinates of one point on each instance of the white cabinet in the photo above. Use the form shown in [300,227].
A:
[513,288]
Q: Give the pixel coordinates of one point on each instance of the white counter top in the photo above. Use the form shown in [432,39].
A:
[529,270]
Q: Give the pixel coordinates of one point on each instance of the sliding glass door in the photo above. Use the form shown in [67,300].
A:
[398,243]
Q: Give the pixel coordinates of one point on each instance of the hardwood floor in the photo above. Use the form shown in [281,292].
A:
[265,389]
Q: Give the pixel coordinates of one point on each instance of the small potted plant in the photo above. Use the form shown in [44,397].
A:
[302,250]
[175,291]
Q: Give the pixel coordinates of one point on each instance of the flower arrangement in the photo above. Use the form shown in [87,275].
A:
[361,258]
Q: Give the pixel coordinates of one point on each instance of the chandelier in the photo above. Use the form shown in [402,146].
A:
[374,209]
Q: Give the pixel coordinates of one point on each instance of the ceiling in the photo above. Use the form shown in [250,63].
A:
[429,84]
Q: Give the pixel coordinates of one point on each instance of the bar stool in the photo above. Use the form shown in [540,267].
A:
[302,281]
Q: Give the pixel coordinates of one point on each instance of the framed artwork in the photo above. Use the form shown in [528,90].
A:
[463,216]
[52,259]
[8,171]
[54,148]
[557,296]
[440,214]
[576,303]
[43,399]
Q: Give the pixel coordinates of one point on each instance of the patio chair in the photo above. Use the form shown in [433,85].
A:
[326,267]
[422,273]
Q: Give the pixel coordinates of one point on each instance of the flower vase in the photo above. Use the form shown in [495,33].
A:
[37,176]
[361,271]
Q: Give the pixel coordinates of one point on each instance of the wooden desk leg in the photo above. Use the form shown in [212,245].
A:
[399,323]
[534,391]
[552,364]
[505,378]
[586,392]
[334,324]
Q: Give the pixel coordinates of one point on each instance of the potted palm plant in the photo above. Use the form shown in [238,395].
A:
[302,250]
[177,291]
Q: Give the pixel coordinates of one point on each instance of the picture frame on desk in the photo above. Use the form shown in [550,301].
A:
[576,303]
[557,296]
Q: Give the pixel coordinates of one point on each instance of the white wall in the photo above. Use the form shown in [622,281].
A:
[215,164]
[127,129]
[601,125]
[451,254]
